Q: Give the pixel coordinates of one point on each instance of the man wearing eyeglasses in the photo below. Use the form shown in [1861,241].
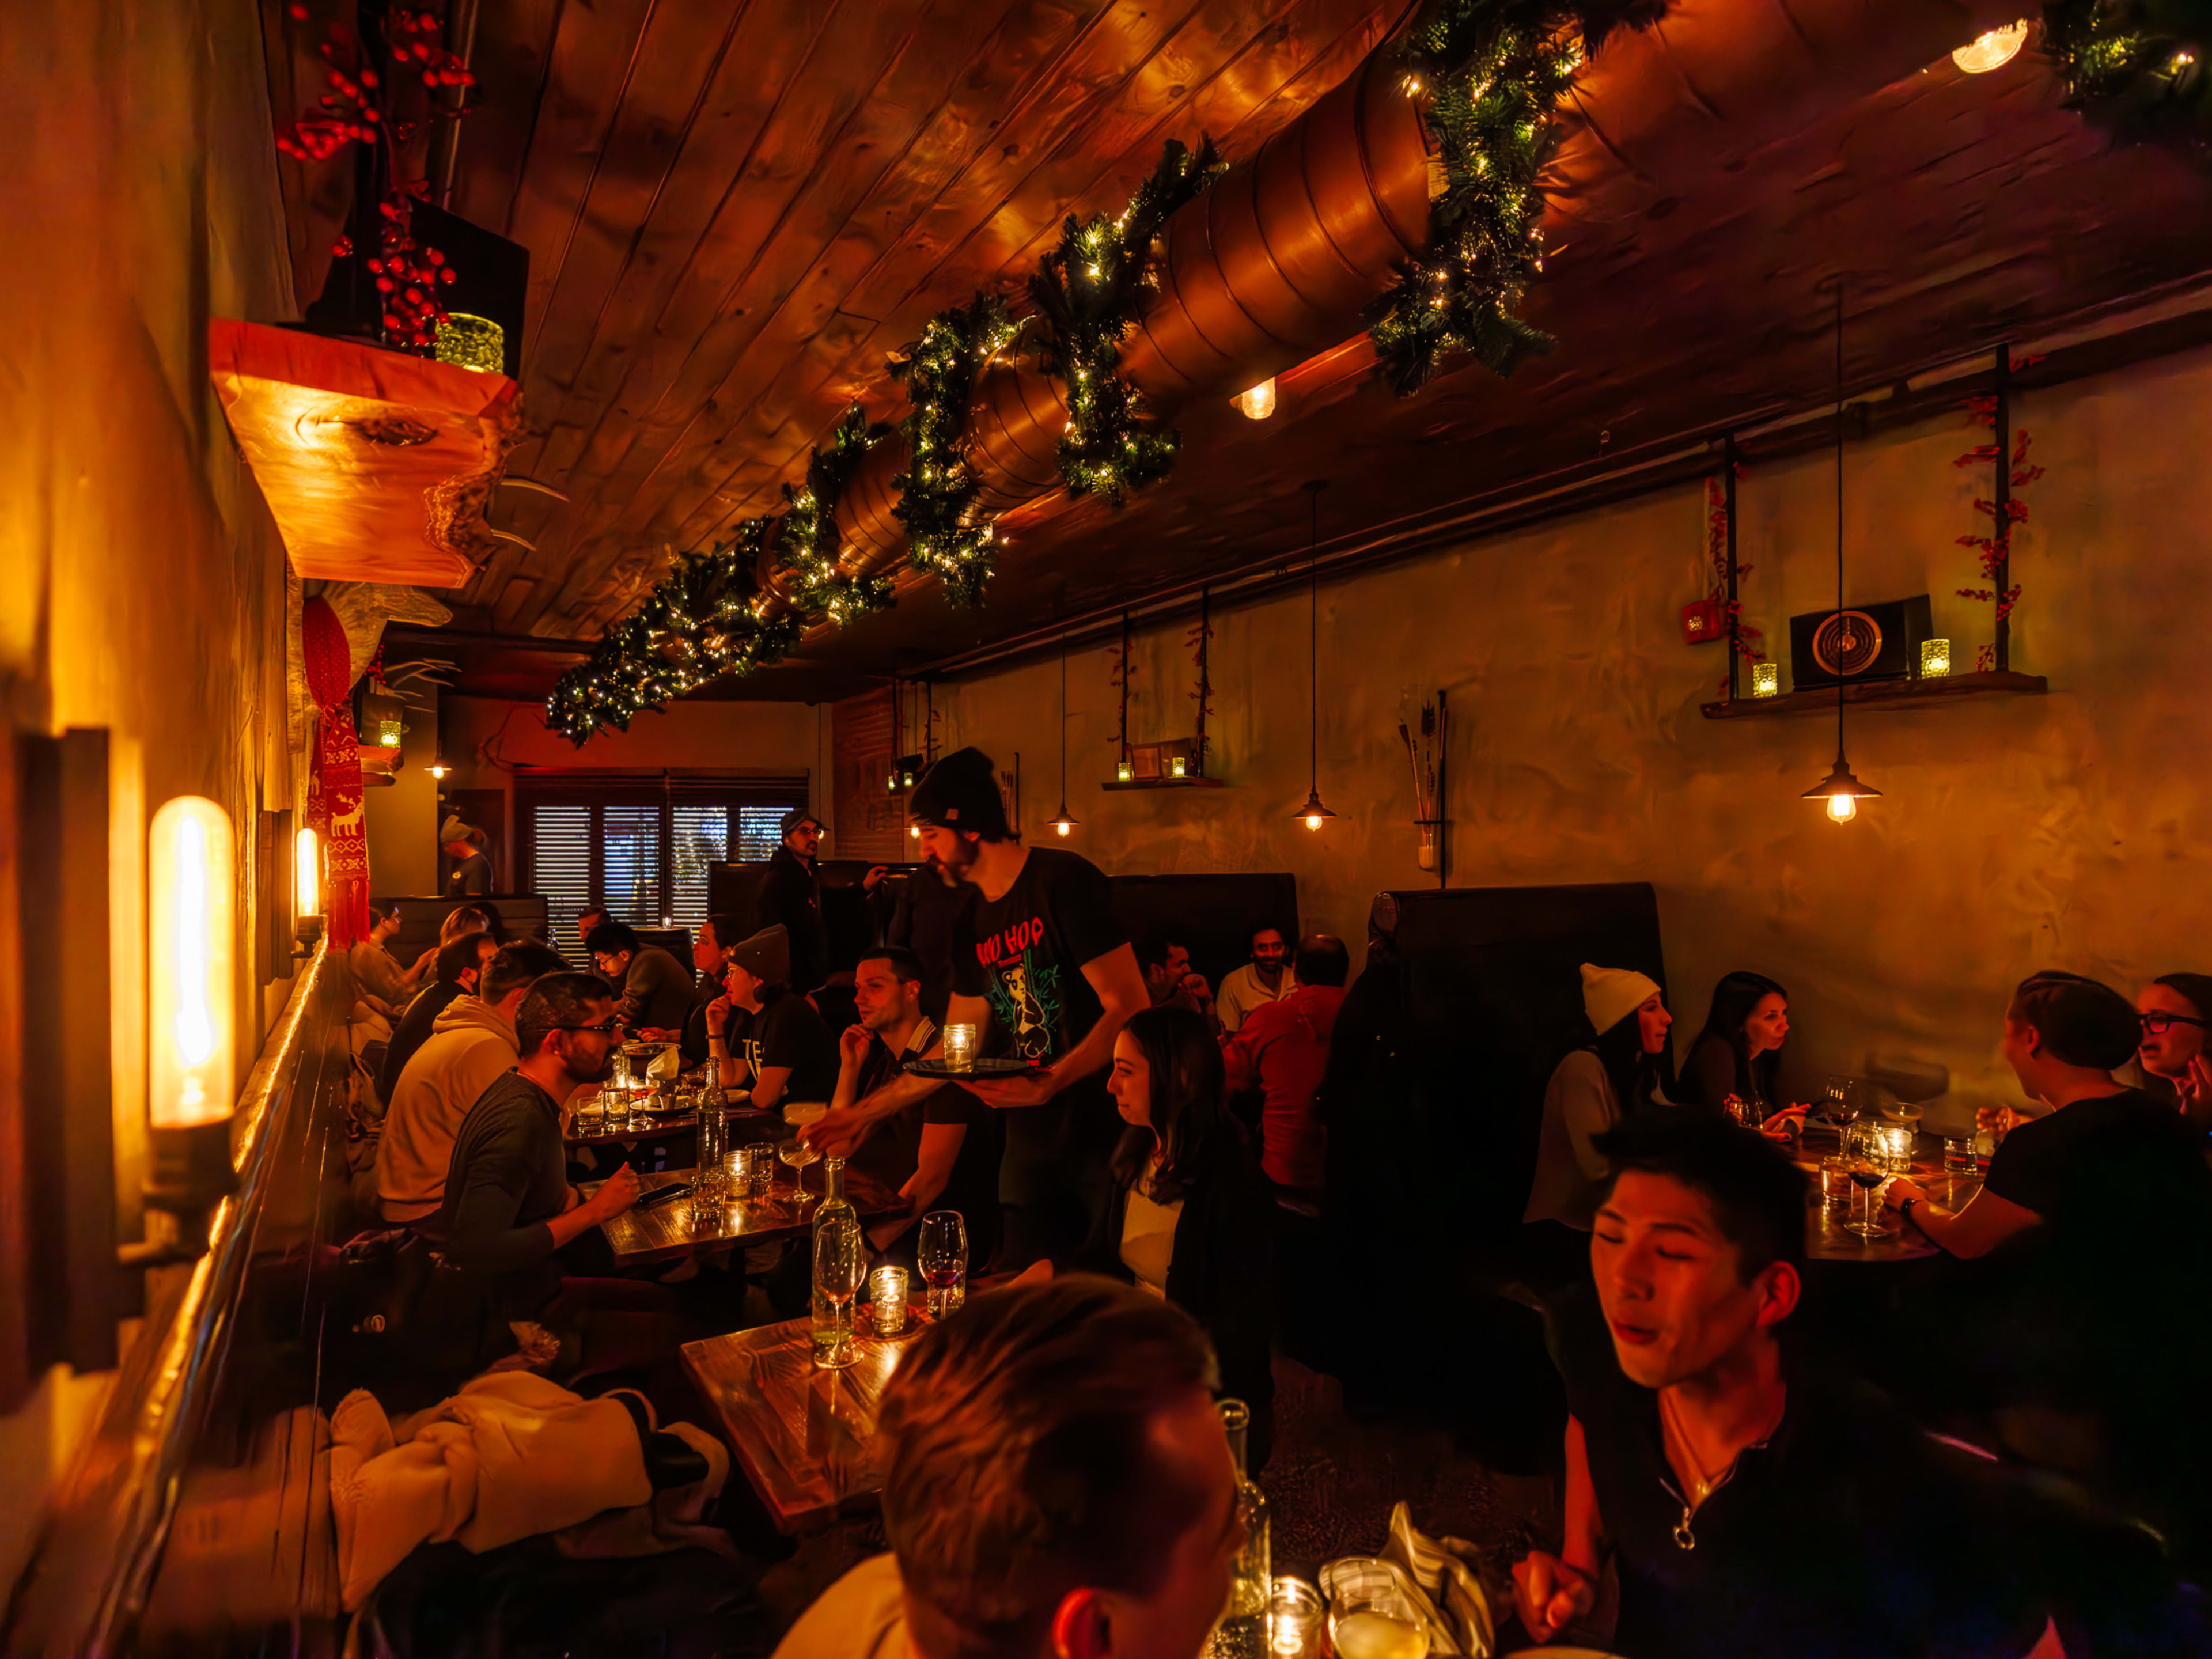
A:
[509,1205]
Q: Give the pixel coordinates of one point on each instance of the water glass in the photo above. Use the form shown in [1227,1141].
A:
[960,1048]
[1836,1186]
[1958,1155]
[942,1253]
[756,1167]
[1371,1611]
[887,1293]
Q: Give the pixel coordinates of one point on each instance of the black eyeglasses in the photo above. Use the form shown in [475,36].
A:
[603,1029]
[2158,1024]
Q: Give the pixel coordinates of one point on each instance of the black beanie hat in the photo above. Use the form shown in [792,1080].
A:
[961,792]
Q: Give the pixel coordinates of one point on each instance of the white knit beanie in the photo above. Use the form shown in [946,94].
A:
[1611,994]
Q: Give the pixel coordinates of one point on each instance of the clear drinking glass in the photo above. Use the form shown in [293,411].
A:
[941,1251]
[1958,1155]
[796,1155]
[887,1296]
[841,1262]
[756,1167]
[1294,1611]
[960,1047]
[1371,1616]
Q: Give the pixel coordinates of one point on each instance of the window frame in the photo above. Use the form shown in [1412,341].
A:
[662,791]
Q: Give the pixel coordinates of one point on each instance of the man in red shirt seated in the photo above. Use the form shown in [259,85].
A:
[1281,1050]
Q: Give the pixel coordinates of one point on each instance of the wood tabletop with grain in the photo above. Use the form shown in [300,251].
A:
[803,1436]
[1827,1237]
[670,1232]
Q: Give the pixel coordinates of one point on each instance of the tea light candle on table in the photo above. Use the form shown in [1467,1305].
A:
[887,1289]
[1895,1141]
[1293,1618]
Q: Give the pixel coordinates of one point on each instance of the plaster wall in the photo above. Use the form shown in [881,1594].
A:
[403,817]
[2071,831]
[141,582]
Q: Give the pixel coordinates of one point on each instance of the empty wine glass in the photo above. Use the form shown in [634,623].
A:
[841,1262]
[795,1154]
[941,1252]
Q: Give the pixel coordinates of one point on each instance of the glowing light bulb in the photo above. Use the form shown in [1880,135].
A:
[1063,826]
[193,887]
[1841,809]
[1992,51]
[1313,820]
[306,875]
[438,768]
[1259,402]
[914,829]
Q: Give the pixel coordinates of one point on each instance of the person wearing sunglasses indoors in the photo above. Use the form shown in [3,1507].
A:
[1594,1088]
[2177,1011]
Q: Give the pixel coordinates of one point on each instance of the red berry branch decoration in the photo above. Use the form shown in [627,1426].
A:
[1995,548]
[1731,611]
[353,111]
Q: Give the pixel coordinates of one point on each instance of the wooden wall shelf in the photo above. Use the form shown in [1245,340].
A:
[1166,783]
[1879,694]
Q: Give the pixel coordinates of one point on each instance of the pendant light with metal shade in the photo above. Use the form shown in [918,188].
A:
[1842,790]
[1313,812]
[1062,821]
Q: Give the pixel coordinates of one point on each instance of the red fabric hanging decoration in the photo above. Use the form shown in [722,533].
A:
[334,790]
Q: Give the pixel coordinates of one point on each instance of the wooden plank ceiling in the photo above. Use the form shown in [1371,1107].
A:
[735,211]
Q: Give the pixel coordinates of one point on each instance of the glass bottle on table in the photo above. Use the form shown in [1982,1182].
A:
[1252,1577]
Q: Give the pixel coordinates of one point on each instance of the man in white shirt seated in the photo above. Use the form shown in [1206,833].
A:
[1056,1483]
[1267,978]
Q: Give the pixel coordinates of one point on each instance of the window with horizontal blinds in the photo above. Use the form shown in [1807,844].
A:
[642,844]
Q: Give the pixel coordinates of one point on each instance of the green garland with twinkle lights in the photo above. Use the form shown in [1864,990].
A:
[1089,292]
[947,531]
[2136,68]
[1494,70]
[698,624]
[809,536]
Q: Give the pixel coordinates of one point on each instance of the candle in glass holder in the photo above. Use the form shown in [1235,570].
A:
[1934,659]
[1765,680]
[1895,1142]
[1123,772]
[1294,1610]
[1178,768]
[960,1048]
[887,1291]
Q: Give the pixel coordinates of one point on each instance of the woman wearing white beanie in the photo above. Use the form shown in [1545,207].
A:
[1588,1093]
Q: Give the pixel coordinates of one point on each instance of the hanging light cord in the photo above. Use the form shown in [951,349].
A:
[1063,720]
[1313,638]
[1839,510]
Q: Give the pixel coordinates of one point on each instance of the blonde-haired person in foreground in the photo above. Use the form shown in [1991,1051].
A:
[1057,1486]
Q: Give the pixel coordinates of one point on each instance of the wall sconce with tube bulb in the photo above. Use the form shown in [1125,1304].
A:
[191,1039]
[306,888]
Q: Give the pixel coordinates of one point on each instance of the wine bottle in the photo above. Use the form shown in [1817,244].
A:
[841,1261]
[1252,1581]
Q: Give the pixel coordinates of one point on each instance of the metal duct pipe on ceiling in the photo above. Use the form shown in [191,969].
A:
[1277,261]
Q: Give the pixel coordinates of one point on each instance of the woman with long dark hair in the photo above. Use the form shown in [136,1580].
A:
[2175,1061]
[1615,1073]
[1190,1218]
[1740,1050]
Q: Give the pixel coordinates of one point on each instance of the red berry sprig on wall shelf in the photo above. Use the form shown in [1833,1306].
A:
[355,109]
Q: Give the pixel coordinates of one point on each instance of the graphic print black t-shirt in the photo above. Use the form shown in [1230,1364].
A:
[1023,953]
[787,1031]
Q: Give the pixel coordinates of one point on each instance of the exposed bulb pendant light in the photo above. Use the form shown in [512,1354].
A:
[1063,822]
[1839,789]
[1257,403]
[1313,812]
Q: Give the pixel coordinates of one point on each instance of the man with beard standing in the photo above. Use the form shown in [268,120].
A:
[1038,955]
[792,894]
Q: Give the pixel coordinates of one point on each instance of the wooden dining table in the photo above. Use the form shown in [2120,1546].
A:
[670,1230]
[804,1436]
[1827,1237]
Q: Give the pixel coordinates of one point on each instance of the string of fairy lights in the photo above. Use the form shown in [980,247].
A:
[1489,75]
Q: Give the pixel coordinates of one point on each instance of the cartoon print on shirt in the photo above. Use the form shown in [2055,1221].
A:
[1025,997]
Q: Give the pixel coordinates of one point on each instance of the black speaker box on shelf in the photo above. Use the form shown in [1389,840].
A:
[1864,642]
